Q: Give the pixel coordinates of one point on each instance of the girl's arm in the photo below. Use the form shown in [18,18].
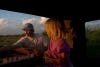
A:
[63,55]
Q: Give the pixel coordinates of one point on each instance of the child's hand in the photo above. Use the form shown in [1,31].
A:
[45,53]
[48,60]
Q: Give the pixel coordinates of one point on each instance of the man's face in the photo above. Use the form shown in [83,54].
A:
[28,32]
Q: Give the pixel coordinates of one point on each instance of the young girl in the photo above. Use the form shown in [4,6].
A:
[70,33]
[58,52]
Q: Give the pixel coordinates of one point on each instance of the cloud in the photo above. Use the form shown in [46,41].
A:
[3,21]
[43,19]
[9,27]
[93,24]
[24,21]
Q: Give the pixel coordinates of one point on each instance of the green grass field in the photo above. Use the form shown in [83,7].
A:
[9,39]
[93,51]
[93,42]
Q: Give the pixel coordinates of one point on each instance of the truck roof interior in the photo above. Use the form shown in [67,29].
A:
[79,19]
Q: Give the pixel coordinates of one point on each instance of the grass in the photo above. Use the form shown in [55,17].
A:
[93,43]
[9,39]
[93,47]
[93,51]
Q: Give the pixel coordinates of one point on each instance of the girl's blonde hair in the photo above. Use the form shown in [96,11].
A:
[54,29]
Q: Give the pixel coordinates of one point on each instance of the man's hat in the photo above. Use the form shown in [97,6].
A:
[27,26]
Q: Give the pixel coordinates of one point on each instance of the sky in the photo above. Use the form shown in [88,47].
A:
[93,25]
[11,22]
